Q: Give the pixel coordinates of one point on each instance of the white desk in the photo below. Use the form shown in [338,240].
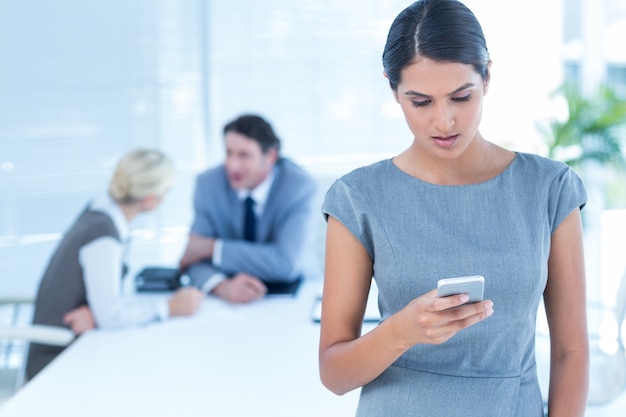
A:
[253,360]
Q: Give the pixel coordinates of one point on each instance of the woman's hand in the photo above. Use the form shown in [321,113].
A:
[429,319]
[80,319]
[185,301]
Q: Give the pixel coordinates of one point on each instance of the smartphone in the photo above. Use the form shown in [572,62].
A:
[474,286]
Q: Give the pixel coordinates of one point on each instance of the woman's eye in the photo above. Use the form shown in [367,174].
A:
[420,103]
[461,99]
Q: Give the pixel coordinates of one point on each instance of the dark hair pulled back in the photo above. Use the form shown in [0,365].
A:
[440,30]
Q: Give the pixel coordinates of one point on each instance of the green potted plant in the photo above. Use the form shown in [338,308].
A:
[592,130]
[592,134]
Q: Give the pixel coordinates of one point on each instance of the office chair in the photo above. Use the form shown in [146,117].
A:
[16,332]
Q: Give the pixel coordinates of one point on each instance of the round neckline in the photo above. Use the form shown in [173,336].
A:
[495,177]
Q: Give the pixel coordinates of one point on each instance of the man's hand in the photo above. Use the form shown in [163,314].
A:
[185,301]
[80,319]
[242,288]
[198,248]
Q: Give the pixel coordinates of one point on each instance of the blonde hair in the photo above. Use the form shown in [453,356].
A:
[141,173]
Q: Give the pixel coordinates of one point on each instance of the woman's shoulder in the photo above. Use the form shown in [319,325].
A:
[542,174]
[368,173]
[539,165]
[539,161]
[90,225]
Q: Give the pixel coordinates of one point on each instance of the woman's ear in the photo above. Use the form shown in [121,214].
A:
[395,92]
[488,77]
[150,202]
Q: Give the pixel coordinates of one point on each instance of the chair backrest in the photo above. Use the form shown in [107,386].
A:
[16,333]
[49,335]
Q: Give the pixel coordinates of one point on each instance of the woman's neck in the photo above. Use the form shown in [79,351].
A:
[481,161]
[130,210]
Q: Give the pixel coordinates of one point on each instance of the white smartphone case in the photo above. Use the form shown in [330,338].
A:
[473,285]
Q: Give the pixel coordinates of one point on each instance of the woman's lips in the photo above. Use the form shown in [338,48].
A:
[445,142]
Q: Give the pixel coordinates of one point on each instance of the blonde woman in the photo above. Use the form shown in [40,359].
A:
[81,287]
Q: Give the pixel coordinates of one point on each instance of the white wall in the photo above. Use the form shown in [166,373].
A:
[83,82]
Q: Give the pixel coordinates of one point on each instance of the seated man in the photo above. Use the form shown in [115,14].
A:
[231,254]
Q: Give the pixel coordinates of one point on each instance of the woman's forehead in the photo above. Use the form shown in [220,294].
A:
[430,77]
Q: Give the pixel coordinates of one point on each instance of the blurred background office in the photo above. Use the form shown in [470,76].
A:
[81,82]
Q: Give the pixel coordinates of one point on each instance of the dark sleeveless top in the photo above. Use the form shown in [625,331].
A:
[62,287]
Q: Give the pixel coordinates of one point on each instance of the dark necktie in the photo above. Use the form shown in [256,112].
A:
[249,225]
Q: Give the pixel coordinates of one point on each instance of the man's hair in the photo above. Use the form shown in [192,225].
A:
[257,128]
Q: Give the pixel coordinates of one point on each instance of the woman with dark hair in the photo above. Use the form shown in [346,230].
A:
[452,204]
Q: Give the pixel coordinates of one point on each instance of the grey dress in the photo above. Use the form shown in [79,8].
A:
[417,233]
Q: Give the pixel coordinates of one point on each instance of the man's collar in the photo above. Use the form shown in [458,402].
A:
[260,193]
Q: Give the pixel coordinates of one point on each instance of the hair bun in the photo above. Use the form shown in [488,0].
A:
[119,186]
[139,174]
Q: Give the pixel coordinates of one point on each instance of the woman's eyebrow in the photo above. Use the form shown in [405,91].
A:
[417,94]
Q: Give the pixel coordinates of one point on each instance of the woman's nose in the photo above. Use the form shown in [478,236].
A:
[443,117]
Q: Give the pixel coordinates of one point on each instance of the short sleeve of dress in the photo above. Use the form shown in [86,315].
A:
[567,193]
[346,204]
